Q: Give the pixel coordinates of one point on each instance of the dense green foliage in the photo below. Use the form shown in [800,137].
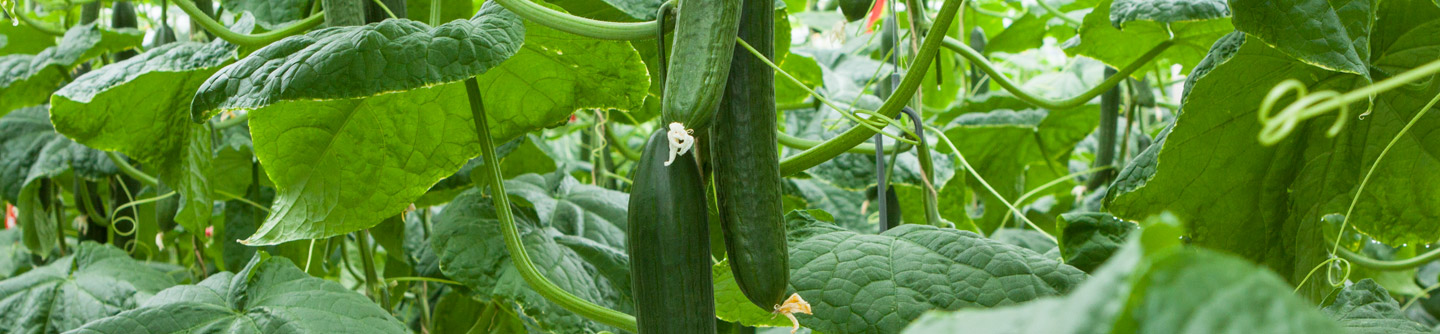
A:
[500,166]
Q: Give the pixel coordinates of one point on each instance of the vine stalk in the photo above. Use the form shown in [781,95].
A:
[511,233]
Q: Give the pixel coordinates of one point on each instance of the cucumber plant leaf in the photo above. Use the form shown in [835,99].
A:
[22,38]
[139,107]
[95,282]
[1367,308]
[1042,143]
[879,283]
[556,73]
[1265,202]
[1119,32]
[1088,239]
[27,80]
[355,123]
[270,295]
[467,240]
[1174,290]
[274,14]
[1323,33]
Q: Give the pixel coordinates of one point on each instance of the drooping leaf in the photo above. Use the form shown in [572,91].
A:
[574,208]
[270,295]
[27,80]
[1366,308]
[32,152]
[95,282]
[139,107]
[1265,202]
[1119,32]
[1089,239]
[355,123]
[879,283]
[468,242]
[1314,31]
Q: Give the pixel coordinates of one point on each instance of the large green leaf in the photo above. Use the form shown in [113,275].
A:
[1175,290]
[140,107]
[1038,146]
[27,80]
[355,123]
[95,282]
[22,38]
[1265,202]
[1328,34]
[467,239]
[270,295]
[1366,308]
[1090,308]
[1119,32]
[556,73]
[865,283]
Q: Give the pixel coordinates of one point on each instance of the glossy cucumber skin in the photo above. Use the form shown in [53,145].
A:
[669,244]
[746,162]
[699,61]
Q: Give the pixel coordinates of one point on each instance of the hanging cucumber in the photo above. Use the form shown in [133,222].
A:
[746,162]
[669,244]
[698,66]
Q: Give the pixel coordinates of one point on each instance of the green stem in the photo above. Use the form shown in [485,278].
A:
[579,25]
[385,8]
[1056,11]
[946,139]
[1367,262]
[247,40]
[233,121]
[1026,196]
[620,145]
[130,170]
[897,100]
[513,245]
[367,259]
[794,106]
[392,280]
[805,144]
[872,124]
[979,61]
[435,6]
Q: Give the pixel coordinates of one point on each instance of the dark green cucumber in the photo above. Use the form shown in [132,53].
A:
[699,61]
[855,9]
[669,244]
[746,164]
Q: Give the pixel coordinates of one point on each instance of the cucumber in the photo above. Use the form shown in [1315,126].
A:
[855,9]
[669,244]
[745,159]
[699,61]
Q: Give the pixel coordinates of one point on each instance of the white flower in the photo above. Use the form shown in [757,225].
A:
[680,141]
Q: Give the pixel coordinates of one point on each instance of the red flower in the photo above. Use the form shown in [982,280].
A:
[10,214]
